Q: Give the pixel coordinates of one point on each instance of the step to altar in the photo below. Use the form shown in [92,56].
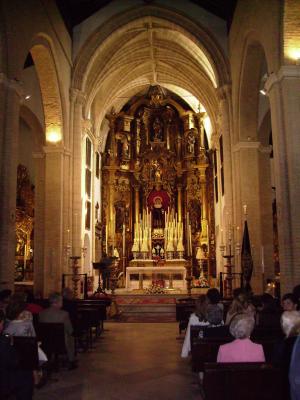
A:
[147,308]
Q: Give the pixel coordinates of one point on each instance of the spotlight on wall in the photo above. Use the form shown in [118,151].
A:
[263,92]
[27,97]
[53,136]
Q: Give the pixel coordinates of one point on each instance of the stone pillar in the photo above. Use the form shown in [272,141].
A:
[10,96]
[226,201]
[39,222]
[53,227]
[247,174]
[77,100]
[283,89]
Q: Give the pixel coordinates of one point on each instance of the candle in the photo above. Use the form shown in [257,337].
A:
[245,209]
[106,239]
[68,236]
[75,232]
[222,237]
[238,234]
[123,240]
[262,259]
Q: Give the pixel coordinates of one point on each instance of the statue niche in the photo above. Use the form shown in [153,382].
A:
[157,134]
[195,215]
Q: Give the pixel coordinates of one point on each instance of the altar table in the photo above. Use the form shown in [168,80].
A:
[146,268]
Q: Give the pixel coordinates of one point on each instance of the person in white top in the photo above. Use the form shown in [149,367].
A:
[197,318]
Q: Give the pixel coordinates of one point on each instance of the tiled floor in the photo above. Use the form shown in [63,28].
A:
[132,361]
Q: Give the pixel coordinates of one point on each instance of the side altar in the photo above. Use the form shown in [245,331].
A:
[172,272]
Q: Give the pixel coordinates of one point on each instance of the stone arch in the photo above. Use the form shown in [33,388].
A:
[32,121]
[44,60]
[253,60]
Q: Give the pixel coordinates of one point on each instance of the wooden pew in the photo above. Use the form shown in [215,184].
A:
[205,350]
[52,336]
[242,381]
[27,352]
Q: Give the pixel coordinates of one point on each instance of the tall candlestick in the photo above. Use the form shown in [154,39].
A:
[106,239]
[123,240]
[222,237]
[262,259]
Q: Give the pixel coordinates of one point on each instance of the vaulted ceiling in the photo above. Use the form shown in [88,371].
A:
[76,11]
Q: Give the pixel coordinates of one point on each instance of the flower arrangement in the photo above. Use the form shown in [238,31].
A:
[201,282]
[157,287]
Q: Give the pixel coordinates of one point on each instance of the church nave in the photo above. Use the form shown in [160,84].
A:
[132,361]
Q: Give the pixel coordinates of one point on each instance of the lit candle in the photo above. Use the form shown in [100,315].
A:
[222,237]
[123,240]
[106,239]
[68,236]
[262,259]
[245,209]
[238,234]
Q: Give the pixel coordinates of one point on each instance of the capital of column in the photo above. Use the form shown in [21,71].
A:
[77,96]
[224,92]
[13,84]
[285,72]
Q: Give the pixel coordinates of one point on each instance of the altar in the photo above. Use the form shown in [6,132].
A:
[173,273]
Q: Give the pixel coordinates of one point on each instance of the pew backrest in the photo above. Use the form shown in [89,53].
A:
[27,351]
[242,381]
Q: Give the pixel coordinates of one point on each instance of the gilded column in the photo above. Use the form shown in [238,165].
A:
[136,203]
[10,97]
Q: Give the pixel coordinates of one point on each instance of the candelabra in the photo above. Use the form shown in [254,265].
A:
[75,275]
[189,277]
[228,255]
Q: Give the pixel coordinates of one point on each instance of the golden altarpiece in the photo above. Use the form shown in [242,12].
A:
[157,183]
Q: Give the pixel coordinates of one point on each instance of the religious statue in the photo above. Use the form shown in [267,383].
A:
[157,130]
[195,215]
[190,143]
[125,150]
[157,213]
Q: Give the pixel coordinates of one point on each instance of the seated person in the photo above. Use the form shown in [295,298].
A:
[268,315]
[8,362]
[197,318]
[32,305]
[239,305]
[54,314]
[19,320]
[214,298]
[289,302]
[242,349]
[290,323]
[4,298]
